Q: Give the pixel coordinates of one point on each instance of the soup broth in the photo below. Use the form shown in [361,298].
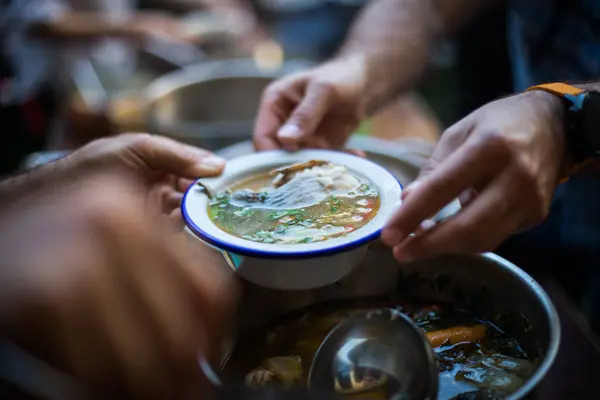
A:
[341,210]
[474,356]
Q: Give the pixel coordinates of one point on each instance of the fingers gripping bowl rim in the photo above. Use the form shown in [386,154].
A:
[194,206]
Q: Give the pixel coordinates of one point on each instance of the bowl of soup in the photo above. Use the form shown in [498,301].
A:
[293,220]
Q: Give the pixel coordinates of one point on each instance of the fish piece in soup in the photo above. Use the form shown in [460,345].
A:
[491,378]
[285,370]
[303,188]
[259,377]
[288,369]
[521,368]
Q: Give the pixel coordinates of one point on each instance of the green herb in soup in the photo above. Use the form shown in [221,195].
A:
[475,358]
[303,203]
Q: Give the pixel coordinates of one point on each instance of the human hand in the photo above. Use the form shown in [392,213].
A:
[243,24]
[503,161]
[164,167]
[98,290]
[318,108]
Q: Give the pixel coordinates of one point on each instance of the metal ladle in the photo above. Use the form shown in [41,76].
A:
[377,351]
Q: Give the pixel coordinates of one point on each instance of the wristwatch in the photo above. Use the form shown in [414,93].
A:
[582,121]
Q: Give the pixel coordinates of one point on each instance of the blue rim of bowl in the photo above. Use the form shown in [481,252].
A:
[245,251]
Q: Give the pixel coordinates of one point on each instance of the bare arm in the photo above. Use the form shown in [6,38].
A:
[588,86]
[80,25]
[392,39]
[503,161]
[12,189]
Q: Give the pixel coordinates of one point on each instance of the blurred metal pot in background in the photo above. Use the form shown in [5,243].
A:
[213,104]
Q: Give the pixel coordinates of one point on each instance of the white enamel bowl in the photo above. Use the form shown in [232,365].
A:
[291,266]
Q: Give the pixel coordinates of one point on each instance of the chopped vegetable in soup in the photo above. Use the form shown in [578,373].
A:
[476,359]
[302,203]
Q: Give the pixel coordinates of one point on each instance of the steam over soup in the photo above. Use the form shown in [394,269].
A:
[301,203]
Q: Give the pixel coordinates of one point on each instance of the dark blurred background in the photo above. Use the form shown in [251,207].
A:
[206,92]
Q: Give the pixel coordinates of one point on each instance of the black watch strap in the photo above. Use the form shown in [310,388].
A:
[582,121]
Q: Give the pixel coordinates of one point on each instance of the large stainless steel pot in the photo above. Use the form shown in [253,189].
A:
[212,104]
[486,284]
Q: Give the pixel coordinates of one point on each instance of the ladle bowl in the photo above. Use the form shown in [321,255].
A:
[380,350]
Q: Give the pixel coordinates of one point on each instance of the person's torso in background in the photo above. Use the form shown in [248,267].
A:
[554,40]
[312,29]
[559,40]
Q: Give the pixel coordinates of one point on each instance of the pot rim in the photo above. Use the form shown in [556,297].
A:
[550,352]
[553,324]
[207,71]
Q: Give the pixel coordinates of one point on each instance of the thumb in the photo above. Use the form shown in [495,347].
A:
[307,116]
[161,154]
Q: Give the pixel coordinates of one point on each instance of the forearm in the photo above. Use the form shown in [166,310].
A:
[82,26]
[588,86]
[14,188]
[392,39]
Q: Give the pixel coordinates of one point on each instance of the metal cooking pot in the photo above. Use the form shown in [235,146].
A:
[212,104]
[486,284]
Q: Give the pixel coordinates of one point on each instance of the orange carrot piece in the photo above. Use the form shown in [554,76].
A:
[455,335]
